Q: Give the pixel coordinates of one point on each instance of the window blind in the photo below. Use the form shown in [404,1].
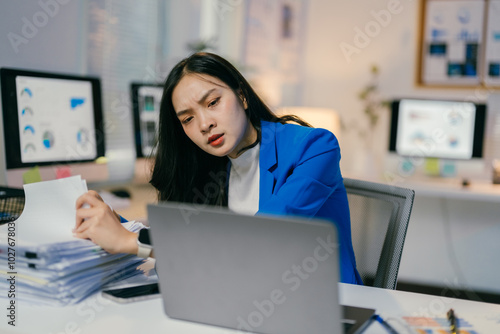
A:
[123,45]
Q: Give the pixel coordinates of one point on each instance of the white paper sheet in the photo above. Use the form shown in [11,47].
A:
[49,211]
[49,264]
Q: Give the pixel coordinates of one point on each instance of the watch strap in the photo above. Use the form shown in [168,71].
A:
[143,250]
[144,247]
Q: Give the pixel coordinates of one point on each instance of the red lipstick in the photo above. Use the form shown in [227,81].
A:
[216,140]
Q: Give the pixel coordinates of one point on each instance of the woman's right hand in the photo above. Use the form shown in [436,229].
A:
[96,221]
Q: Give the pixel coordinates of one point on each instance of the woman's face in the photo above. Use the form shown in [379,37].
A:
[212,116]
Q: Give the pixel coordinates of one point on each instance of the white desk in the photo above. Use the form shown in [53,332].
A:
[98,315]
[477,190]
[439,187]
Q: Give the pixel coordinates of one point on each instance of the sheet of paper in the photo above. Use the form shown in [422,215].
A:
[53,267]
[49,211]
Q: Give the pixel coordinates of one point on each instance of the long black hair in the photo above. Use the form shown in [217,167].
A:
[182,171]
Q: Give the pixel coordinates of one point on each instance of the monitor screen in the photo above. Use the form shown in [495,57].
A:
[437,128]
[50,118]
[146,98]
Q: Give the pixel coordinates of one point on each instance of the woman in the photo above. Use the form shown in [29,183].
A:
[219,144]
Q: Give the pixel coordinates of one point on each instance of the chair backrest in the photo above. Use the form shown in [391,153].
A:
[379,219]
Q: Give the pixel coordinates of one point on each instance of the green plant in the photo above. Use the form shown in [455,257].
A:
[374,105]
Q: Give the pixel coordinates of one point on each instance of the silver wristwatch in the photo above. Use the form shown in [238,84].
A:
[144,247]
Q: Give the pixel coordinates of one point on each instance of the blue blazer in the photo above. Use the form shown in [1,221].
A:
[300,175]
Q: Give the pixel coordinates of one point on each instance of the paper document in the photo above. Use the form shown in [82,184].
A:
[47,264]
[49,211]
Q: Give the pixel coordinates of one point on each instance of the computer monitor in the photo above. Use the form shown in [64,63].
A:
[437,129]
[54,122]
[146,98]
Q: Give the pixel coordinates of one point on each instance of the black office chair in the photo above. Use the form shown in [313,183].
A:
[379,219]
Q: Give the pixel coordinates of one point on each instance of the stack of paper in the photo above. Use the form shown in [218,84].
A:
[41,261]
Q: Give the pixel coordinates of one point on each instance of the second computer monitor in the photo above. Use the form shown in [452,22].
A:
[146,98]
[437,129]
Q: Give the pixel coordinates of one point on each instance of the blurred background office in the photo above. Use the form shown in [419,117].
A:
[315,53]
[347,58]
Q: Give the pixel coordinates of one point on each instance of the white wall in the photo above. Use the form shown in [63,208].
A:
[47,34]
[182,27]
[332,80]
[42,35]
[452,243]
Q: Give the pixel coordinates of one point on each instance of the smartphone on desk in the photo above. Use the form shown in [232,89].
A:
[132,293]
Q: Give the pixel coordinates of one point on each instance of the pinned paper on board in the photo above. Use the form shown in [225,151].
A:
[431,166]
[62,172]
[32,175]
[448,168]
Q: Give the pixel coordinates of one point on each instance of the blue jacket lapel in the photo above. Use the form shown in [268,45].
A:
[267,160]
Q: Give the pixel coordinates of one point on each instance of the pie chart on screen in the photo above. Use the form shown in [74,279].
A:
[82,136]
[29,148]
[26,92]
[29,128]
[48,139]
[27,111]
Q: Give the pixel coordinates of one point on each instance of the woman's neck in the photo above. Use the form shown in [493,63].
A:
[250,139]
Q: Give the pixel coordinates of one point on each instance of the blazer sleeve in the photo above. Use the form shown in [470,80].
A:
[308,174]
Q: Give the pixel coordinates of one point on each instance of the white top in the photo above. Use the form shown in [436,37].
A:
[244,182]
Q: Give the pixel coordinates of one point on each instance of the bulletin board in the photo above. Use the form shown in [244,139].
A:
[460,43]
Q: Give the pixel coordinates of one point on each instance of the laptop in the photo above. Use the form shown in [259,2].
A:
[258,274]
